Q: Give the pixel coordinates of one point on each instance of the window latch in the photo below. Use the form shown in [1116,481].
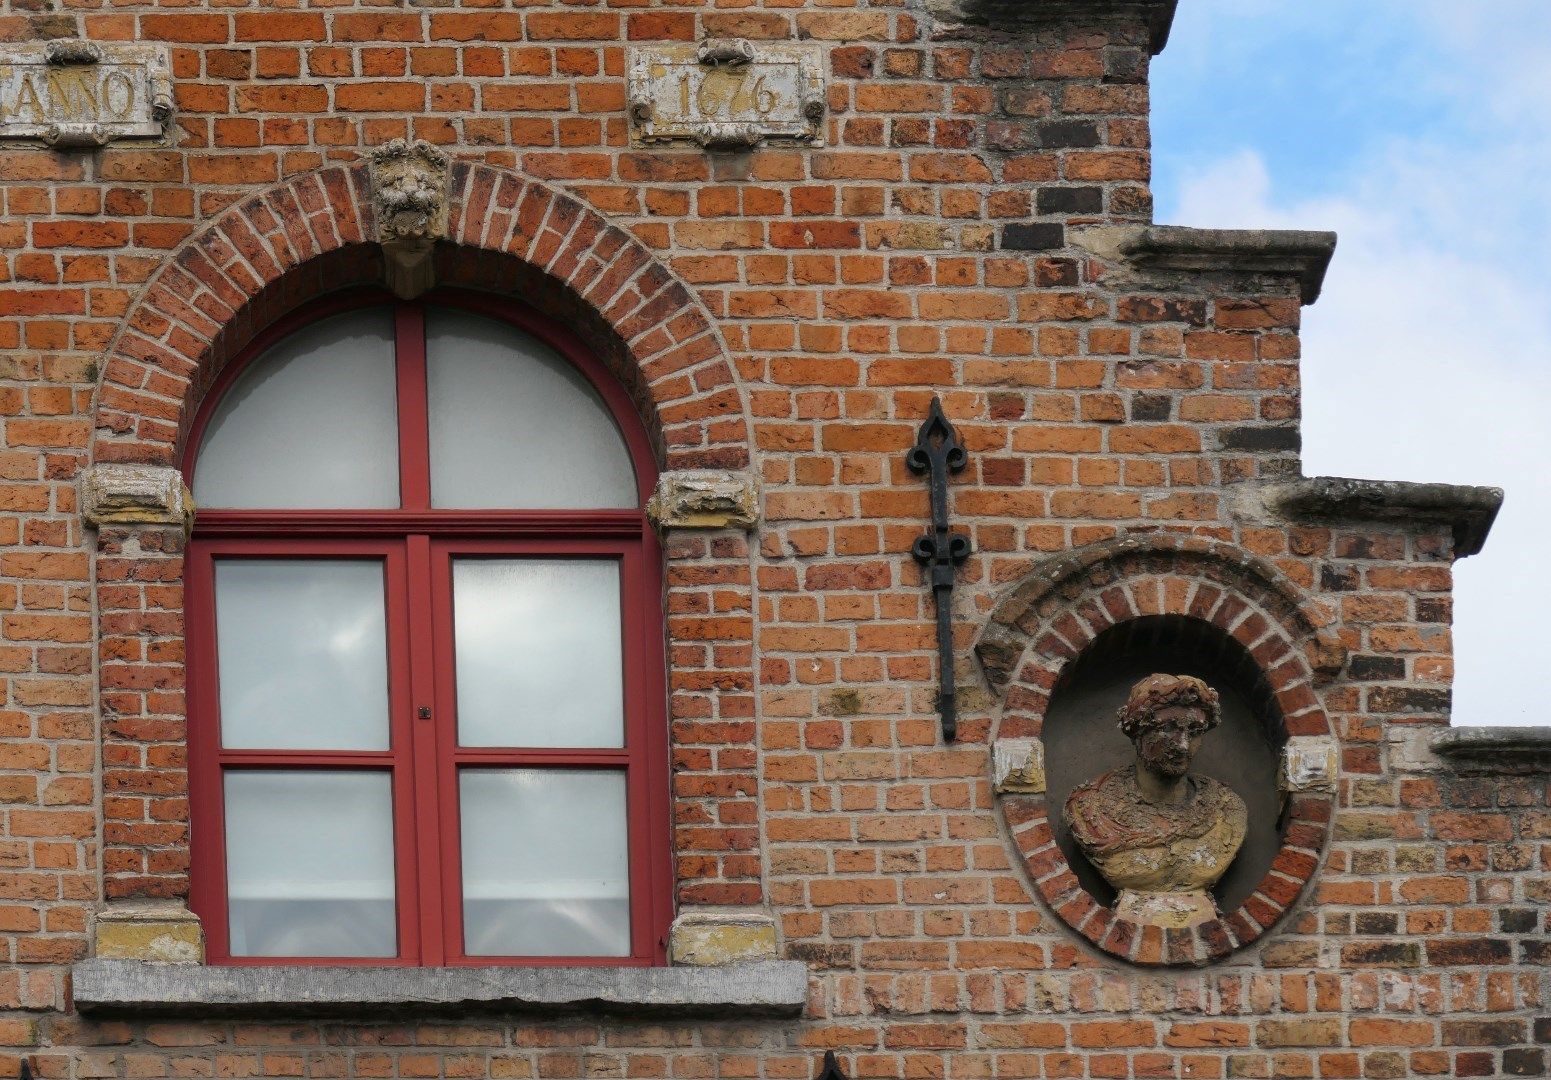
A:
[425,712]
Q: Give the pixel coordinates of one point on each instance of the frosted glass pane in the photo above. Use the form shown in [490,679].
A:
[544,863]
[538,652]
[313,423]
[303,654]
[513,425]
[309,863]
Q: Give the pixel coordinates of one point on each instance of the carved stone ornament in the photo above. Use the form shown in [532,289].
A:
[1310,763]
[409,188]
[1157,833]
[72,94]
[704,499]
[726,93]
[135,495]
[1018,766]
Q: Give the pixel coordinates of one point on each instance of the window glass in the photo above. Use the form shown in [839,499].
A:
[309,863]
[514,426]
[303,654]
[544,865]
[538,652]
[311,424]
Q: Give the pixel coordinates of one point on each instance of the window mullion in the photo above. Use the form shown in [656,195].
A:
[427,756]
[413,410]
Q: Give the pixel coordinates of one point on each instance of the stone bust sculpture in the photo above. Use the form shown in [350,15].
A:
[1160,835]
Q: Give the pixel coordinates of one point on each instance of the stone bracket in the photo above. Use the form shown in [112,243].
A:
[1467,511]
[113,494]
[1137,252]
[163,932]
[711,938]
[409,194]
[1310,763]
[1018,766]
[705,499]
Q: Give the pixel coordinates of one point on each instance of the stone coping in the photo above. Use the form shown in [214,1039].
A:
[1505,746]
[769,988]
[1012,15]
[1469,511]
[1299,253]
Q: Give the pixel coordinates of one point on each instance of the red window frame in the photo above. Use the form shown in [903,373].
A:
[416,545]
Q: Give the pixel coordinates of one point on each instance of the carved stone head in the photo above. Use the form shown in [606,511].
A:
[1165,717]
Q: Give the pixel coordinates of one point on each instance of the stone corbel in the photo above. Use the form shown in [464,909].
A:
[1018,766]
[1310,763]
[713,938]
[409,187]
[135,495]
[704,499]
[160,931]
[77,136]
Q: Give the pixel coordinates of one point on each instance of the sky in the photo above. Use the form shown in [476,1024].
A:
[1420,131]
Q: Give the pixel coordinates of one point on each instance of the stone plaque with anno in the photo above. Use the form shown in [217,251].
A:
[727,93]
[78,94]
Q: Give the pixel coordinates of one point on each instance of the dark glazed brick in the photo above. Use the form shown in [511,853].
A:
[1062,134]
[1408,699]
[1151,407]
[1070,200]
[1365,668]
[1524,1061]
[1517,920]
[1339,579]
[1033,236]
[1469,951]
[1260,438]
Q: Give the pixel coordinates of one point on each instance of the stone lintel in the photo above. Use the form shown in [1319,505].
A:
[710,938]
[161,931]
[115,494]
[1468,511]
[705,499]
[1009,16]
[116,987]
[1018,766]
[1299,254]
[1495,747]
[1310,763]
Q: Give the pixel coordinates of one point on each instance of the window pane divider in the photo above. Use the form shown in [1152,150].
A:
[321,759]
[559,758]
[507,524]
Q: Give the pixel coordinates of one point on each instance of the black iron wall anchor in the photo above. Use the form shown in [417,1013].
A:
[937,453]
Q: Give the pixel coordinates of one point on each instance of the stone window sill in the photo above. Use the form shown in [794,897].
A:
[768,988]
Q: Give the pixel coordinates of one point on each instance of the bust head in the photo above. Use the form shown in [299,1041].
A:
[1165,717]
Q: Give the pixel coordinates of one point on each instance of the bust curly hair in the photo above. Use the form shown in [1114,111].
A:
[1159,692]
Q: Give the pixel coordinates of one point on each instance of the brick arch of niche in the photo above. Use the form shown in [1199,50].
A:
[276,249]
[1048,620]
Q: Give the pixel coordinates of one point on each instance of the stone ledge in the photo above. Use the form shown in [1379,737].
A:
[1505,747]
[113,494]
[705,499]
[1013,15]
[1469,511]
[772,988]
[1301,254]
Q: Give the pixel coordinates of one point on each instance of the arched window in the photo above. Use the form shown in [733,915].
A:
[425,634]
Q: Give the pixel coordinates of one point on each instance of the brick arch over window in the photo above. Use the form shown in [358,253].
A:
[271,251]
[1050,618]
[261,259]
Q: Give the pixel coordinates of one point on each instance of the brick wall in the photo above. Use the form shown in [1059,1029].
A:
[790,311]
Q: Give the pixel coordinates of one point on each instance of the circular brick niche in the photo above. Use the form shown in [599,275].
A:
[1069,641]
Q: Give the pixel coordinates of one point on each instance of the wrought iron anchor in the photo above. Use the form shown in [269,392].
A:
[937,453]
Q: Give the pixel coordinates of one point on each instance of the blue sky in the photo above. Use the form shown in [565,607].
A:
[1420,130]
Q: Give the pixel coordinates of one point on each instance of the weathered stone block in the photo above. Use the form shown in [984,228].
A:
[705,499]
[712,938]
[1018,766]
[135,495]
[166,933]
[1310,763]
